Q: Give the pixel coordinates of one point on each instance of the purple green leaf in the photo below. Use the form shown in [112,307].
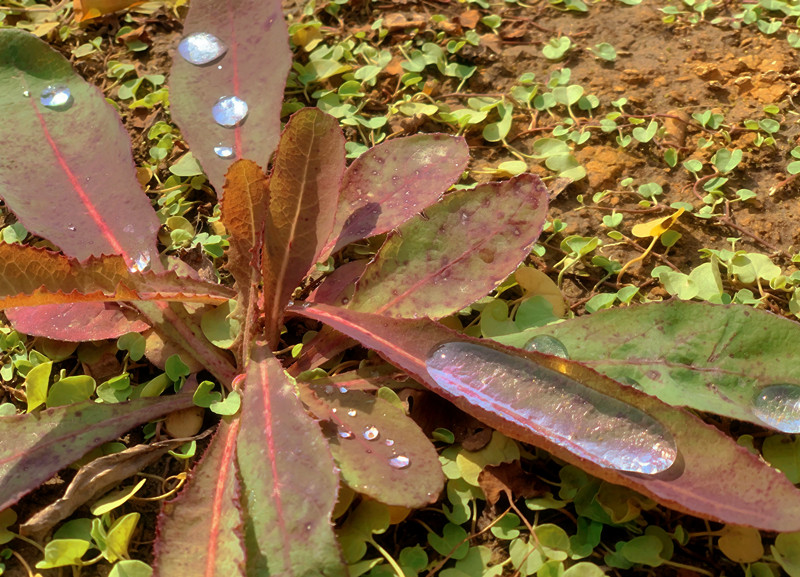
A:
[381,452]
[721,365]
[252,67]
[304,189]
[201,532]
[289,481]
[83,198]
[35,446]
[459,250]
[393,181]
[733,487]
[76,322]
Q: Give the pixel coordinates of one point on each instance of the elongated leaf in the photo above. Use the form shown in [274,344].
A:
[33,447]
[253,69]
[244,214]
[711,475]
[719,365]
[201,532]
[288,478]
[381,452]
[94,479]
[304,188]
[76,322]
[82,197]
[392,182]
[460,250]
[31,276]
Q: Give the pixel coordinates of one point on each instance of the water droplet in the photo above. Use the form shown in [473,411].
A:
[371,433]
[334,410]
[593,425]
[229,111]
[223,151]
[290,304]
[516,232]
[399,462]
[547,345]
[71,227]
[26,93]
[141,263]
[345,433]
[779,407]
[343,390]
[345,301]
[388,442]
[352,413]
[219,67]
[56,97]
[201,48]
[305,305]
[328,390]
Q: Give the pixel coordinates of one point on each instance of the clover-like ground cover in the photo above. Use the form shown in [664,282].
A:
[631,111]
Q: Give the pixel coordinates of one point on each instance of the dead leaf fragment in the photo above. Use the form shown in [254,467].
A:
[469,18]
[510,480]
[396,21]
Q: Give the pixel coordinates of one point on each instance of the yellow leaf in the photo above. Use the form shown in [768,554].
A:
[535,283]
[655,228]
[88,9]
[741,544]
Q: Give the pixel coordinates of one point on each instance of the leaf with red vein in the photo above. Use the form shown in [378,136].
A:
[244,214]
[460,250]
[304,190]
[365,433]
[76,322]
[393,181]
[713,477]
[289,481]
[253,68]
[82,197]
[35,446]
[200,533]
[31,276]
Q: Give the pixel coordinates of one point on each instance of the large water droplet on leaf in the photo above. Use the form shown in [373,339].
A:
[590,424]
[371,433]
[547,345]
[399,462]
[779,407]
[223,151]
[141,263]
[229,111]
[201,48]
[56,97]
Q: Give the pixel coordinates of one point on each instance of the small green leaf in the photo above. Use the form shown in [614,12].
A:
[605,51]
[63,552]
[556,48]
[219,326]
[645,549]
[186,166]
[7,518]
[453,541]
[205,396]
[131,568]
[119,536]
[70,390]
[228,406]
[176,368]
[726,160]
[783,453]
[36,383]
[134,343]
[116,498]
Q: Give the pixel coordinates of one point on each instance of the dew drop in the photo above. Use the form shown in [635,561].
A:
[516,232]
[593,425]
[388,442]
[334,410]
[345,433]
[779,407]
[345,301]
[547,345]
[343,390]
[201,48]
[371,433]
[71,227]
[219,67]
[229,111]
[328,390]
[223,151]
[399,462]
[352,413]
[56,97]
[26,93]
[141,263]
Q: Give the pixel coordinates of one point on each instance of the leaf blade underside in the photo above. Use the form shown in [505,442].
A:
[734,486]
[289,481]
[101,208]
[90,321]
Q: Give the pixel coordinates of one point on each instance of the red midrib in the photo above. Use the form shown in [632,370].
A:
[219,495]
[99,221]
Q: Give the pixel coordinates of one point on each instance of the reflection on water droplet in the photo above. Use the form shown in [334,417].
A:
[399,462]
[547,345]
[779,407]
[371,433]
[328,390]
[388,442]
[141,263]
[345,301]
[223,151]
[56,97]
[219,67]
[26,93]
[594,426]
[71,227]
[201,48]
[343,390]
[229,111]
[352,413]
[345,433]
